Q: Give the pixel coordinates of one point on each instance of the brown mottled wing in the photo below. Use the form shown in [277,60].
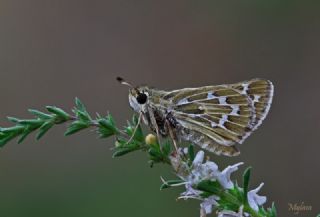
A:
[216,117]
[260,92]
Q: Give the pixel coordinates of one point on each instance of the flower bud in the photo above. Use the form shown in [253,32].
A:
[151,139]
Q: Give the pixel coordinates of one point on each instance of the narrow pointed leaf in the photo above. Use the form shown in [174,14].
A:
[24,136]
[40,114]
[122,151]
[75,127]
[246,179]
[13,120]
[59,112]
[43,129]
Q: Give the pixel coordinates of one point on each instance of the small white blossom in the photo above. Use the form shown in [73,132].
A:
[198,159]
[256,200]
[224,177]
[190,192]
[209,203]
[209,171]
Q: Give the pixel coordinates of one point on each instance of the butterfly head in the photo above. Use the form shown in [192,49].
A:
[138,96]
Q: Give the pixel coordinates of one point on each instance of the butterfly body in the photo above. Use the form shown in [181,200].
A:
[216,118]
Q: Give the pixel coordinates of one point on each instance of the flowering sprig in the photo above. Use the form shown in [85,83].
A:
[216,190]
[202,180]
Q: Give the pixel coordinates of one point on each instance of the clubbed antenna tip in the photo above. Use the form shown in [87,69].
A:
[120,79]
[124,82]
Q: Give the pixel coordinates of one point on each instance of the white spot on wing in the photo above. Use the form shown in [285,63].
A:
[256,98]
[210,95]
[183,101]
[223,120]
[222,100]
[235,110]
[245,88]
[213,124]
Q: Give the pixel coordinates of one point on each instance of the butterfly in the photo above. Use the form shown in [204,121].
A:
[217,117]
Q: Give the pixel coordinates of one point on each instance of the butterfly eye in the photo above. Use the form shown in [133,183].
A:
[142,98]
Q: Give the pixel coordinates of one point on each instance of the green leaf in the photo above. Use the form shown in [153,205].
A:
[155,153]
[81,111]
[106,128]
[15,129]
[40,114]
[129,130]
[13,120]
[84,116]
[166,148]
[139,134]
[80,106]
[237,192]
[31,122]
[75,127]
[24,135]
[103,122]
[191,154]
[104,132]
[213,187]
[6,137]
[122,151]
[170,183]
[135,127]
[43,129]
[228,203]
[59,112]
[273,211]
[246,178]
[111,120]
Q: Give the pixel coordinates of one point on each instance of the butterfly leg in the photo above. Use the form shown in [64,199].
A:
[172,135]
[135,128]
[155,125]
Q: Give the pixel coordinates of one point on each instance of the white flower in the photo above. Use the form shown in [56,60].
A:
[224,177]
[209,171]
[209,203]
[190,192]
[256,200]
[198,159]
[202,171]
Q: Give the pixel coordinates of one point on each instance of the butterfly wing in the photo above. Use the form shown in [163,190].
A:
[218,117]
[260,92]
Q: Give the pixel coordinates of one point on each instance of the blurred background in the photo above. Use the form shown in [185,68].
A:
[52,51]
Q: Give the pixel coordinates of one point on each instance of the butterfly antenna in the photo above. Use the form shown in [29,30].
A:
[124,82]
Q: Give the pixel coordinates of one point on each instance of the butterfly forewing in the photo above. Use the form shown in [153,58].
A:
[217,113]
[218,117]
[260,92]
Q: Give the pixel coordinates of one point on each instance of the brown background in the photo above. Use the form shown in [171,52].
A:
[52,51]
